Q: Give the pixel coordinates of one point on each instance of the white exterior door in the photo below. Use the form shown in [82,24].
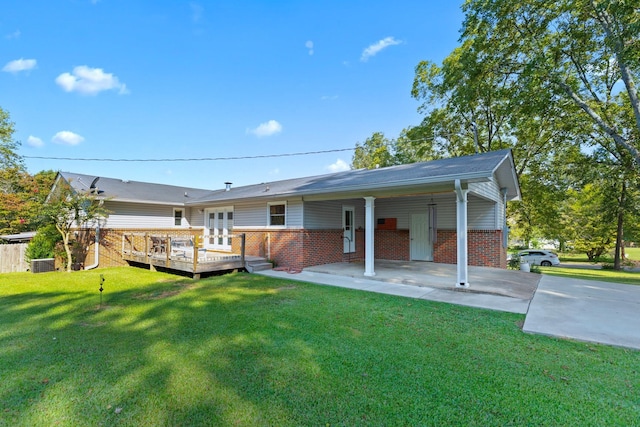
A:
[219,226]
[348,229]
[421,243]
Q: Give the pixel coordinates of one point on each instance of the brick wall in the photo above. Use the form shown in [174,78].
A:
[285,247]
[484,248]
[303,248]
[392,244]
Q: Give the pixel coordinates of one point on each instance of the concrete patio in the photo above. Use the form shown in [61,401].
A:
[491,288]
[485,280]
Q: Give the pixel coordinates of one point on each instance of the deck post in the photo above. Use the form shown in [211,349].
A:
[146,248]
[195,256]
[167,251]
[123,239]
[242,240]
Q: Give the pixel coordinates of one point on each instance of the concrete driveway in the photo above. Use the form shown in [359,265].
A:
[602,312]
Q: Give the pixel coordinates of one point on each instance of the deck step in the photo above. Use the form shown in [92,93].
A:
[257,264]
[261,266]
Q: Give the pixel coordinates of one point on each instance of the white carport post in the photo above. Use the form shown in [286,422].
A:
[369,215]
[461,231]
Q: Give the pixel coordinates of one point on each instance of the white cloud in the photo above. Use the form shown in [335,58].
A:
[339,166]
[329,97]
[66,137]
[34,141]
[275,171]
[375,48]
[20,65]
[266,129]
[90,81]
[309,45]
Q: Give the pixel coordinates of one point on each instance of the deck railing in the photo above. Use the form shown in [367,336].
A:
[185,253]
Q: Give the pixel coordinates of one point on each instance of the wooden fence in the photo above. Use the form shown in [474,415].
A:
[12,258]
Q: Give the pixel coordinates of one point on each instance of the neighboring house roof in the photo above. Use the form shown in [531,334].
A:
[23,237]
[436,175]
[133,191]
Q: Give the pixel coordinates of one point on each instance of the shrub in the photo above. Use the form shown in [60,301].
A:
[43,244]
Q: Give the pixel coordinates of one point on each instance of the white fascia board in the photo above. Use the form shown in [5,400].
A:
[512,175]
[143,202]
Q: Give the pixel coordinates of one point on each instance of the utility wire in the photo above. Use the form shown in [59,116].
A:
[199,159]
[209,159]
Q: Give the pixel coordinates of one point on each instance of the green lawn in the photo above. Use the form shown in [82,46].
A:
[633,253]
[248,350]
[605,275]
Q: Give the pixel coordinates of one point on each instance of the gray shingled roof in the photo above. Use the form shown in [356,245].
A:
[475,168]
[135,191]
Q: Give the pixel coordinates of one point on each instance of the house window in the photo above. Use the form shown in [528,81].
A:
[177,217]
[277,214]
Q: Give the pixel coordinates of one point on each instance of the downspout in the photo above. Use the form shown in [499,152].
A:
[96,251]
[505,228]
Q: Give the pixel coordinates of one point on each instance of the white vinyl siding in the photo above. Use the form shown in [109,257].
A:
[145,216]
[486,190]
[256,214]
[481,214]
[328,214]
[196,217]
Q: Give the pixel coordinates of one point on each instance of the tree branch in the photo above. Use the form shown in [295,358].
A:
[619,139]
[605,21]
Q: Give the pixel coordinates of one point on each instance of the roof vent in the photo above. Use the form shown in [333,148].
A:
[228,185]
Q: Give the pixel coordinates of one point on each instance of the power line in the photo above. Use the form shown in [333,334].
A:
[198,159]
[210,159]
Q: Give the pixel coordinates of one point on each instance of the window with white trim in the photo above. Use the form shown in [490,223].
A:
[178,216]
[277,214]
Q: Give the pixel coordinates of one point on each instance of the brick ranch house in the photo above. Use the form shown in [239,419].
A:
[445,211]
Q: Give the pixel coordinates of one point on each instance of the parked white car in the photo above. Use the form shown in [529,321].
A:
[539,257]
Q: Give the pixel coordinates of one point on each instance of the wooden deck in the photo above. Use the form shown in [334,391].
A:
[180,253]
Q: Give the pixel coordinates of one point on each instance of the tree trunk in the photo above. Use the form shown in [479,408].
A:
[67,249]
[621,202]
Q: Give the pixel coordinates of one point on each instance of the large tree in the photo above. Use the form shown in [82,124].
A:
[21,203]
[9,157]
[546,78]
[584,51]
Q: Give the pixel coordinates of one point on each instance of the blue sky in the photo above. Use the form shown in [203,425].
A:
[131,79]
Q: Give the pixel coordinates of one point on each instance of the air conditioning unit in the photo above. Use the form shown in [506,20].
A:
[43,265]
